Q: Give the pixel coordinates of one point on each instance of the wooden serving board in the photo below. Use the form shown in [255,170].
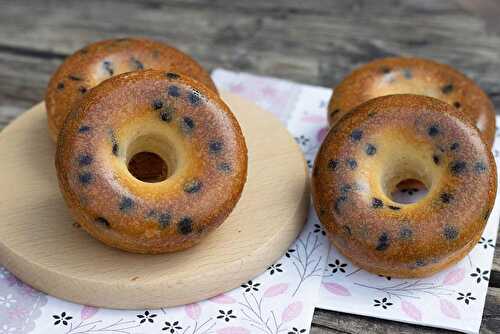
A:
[40,244]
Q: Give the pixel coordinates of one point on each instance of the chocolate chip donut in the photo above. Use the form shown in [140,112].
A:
[388,140]
[174,117]
[99,61]
[414,76]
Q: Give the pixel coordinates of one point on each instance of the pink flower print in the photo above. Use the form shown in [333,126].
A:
[276,290]
[88,312]
[337,289]
[291,312]
[455,276]
[411,310]
[193,310]
[449,309]
[223,299]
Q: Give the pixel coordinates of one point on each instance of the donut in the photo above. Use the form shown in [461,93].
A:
[388,76]
[99,61]
[383,142]
[174,117]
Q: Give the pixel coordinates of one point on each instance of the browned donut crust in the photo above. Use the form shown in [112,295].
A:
[394,138]
[179,119]
[418,76]
[99,61]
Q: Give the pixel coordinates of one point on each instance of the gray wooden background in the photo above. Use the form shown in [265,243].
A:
[316,42]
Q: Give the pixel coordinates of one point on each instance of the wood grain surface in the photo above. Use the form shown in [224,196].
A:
[315,41]
[51,254]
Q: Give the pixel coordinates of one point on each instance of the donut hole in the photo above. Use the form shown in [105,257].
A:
[148,167]
[408,179]
[151,158]
[408,191]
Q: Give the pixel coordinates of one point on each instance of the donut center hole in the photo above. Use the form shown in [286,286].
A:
[408,177]
[148,167]
[408,191]
[151,158]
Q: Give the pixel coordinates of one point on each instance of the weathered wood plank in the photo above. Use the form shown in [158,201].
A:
[316,43]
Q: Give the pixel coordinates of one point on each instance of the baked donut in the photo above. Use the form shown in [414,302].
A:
[168,114]
[101,60]
[388,76]
[388,140]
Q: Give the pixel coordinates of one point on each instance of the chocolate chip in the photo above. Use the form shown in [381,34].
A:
[82,89]
[435,158]
[185,226]
[383,242]
[450,232]
[126,203]
[385,70]
[74,77]
[458,167]
[187,124]
[103,222]
[370,149]
[480,167]
[60,86]
[352,164]
[224,167]
[84,160]
[405,233]
[215,146]
[446,197]
[164,220]
[192,186]
[174,91]
[108,66]
[138,65]
[194,98]
[356,135]
[377,203]
[395,208]
[447,89]
[84,128]
[341,199]
[332,164]
[454,146]
[85,178]
[157,104]
[347,229]
[457,104]
[433,130]
[172,75]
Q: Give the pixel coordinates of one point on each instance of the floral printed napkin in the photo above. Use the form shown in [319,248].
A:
[279,301]
[282,299]
[452,299]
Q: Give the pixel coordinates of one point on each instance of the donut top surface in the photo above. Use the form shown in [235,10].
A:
[99,61]
[388,140]
[168,114]
[417,76]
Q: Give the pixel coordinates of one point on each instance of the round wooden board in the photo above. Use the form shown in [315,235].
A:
[41,246]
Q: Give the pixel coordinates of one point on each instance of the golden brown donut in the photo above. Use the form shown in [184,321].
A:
[388,76]
[388,140]
[168,114]
[101,60]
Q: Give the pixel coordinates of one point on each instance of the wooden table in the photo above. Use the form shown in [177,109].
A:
[316,42]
